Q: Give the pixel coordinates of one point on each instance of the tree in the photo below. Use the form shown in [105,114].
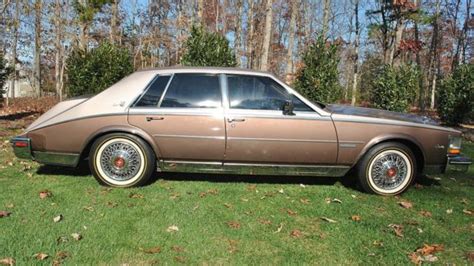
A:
[456,95]
[318,79]
[356,53]
[291,41]
[37,67]
[394,88]
[86,10]
[5,72]
[267,35]
[204,48]
[93,71]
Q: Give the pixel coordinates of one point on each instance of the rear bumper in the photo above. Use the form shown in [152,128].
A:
[22,149]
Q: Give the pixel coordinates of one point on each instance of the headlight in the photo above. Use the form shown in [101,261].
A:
[454,145]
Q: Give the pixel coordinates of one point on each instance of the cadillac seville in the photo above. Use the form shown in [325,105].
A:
[225,120]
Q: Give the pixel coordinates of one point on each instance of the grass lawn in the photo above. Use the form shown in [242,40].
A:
[219,219]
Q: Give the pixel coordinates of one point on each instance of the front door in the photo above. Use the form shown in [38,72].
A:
[184,115]
[259,132]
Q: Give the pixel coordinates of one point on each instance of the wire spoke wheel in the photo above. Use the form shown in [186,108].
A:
[389,171]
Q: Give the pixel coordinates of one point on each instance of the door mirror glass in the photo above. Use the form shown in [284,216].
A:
[288,108]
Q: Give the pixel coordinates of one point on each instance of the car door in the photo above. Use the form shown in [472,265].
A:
[259,132]
[184,114]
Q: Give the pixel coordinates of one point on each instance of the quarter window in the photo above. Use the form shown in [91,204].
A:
[260,93]
[193,91]
[153,94]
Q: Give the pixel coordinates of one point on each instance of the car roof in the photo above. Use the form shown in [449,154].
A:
[213,70]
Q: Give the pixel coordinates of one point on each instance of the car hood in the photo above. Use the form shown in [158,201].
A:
[377,113]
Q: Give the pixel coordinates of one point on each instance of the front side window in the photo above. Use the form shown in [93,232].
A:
[193,91]
[260,93]
[153,93]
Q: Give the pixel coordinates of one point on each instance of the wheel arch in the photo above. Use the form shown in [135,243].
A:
[407,140]
[118,129]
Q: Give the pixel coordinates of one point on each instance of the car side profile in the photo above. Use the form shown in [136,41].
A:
[226,120]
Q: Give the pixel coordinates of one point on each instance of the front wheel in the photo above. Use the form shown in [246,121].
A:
[121,160]
[387,169]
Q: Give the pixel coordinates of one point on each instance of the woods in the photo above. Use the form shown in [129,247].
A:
[368,39]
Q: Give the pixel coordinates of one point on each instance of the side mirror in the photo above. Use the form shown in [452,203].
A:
[288,108]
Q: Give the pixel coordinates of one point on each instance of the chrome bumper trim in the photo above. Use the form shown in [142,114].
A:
[22,152]
[253,169]
[458,163]
[56,158]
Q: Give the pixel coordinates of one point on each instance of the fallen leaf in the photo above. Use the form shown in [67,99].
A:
[419,230]
[397,229]
[232,245]
[429,258]
[470,256]
[180,259]
[430,249]
[61,239]
[135,196]
[405,204]
[291,212]
[172,228]
[45,194]
[152,250]
[88,208]
[449,211]
[355,218]
[296,233]
[177,249]
[425,213]
[279,228]
[281,191]
[233,224]
[58,218]
[328,220]
[265,222]
[468,212]
[336,200]
[415,258]
[41,256]
[377,243]
[305,201]
[4,214]
[353,196]
[463,201]
[252,187]
[10,206]
[174,195]
[111,204]
[76,236]
[302,185]
[7,261]
[227,205]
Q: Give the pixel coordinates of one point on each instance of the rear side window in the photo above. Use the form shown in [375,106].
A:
[153,94]
[193,91]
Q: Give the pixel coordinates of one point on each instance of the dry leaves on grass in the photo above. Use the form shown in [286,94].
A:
[58,218]
[470,256]
[7,261]
[177,249]
[291,212]
[449,211]
[397,229]
[208,192]
[41,256]
[233,224]
[153,250]
[355,218]
[265,222]
[60,257]
[296,233]
[228,205]
[45,194]
[425,213]
[405,204]
[4,214]
[180,259]
[76,236]
[172,228]
[426,253]
[326,219]
[468,212]
[305,201]
[135,196]
[233,245]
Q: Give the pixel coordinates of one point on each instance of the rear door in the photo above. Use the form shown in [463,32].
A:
[259,132]
[184,114]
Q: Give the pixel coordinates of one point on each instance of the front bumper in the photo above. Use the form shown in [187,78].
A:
[458,163]
[22,150]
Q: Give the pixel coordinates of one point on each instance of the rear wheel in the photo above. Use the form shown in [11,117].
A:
[387,169]
[121,160]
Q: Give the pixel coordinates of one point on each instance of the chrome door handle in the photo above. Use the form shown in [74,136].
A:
[150,118]
[230,120]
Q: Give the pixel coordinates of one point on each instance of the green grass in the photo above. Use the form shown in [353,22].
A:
[118,228]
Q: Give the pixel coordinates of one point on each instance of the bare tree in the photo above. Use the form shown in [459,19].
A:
[238,32]
[16,26]
[326,12]
[250,32]
[291,41]
[355,57]
[37,63]
[114,38]
[267,35]
[433,65]
[58,49]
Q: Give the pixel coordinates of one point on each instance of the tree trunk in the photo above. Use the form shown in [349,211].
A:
[250,42]
[418,60]
[37,63]
[238,33]
[326,12]
[433,56]
[16,25]
[114,38]
[356,54]
[267,36]
[83,29]
[200,12]
[460,51]
[291,41]
[396,43]
[58,48]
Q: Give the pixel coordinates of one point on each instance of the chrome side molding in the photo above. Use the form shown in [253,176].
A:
[252,169]
[56,158]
